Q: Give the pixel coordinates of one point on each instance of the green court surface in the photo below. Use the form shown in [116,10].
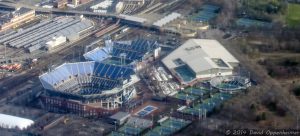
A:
[207,13]
[130,130]
[168,127]
[185,96]
[207,105]
[196,91]
[293,15]
[113,133]
[245,22]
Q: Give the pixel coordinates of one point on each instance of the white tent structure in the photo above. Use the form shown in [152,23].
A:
[8,121]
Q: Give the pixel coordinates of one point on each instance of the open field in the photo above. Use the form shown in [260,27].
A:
[293,15]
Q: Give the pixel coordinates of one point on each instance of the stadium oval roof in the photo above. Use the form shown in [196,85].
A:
[8,121]
[68,77]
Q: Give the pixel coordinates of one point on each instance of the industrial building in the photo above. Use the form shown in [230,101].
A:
[76,3]
[16,18]
[167,19]
[120,118]
[101,85]
[200,59]
[60,4]
[49,33]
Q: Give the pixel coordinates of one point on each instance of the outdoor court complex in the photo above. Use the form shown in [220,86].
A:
[146,110]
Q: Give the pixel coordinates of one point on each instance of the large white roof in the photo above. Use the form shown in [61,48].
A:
[167,19]
[200,55]
[133,18]
[8,121]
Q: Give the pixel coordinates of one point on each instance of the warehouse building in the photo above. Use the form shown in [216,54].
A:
[49,33]
[200,59]
[167,19]
[120,118]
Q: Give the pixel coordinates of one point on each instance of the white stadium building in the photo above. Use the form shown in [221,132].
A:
[199,59]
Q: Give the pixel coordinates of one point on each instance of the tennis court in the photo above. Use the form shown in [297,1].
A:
[168,127]
[206,13]
[227,85]
[130,130]
[208,105]
[185,96]
[134,126]
[196,91]
[245,22]
[146,110]
[114,133]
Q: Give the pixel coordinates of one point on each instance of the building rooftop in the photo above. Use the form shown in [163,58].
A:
[110,74]
[21,11]
[200,55]
[167,19]
[133,18]
[120,115]
[37,36]
[5,17]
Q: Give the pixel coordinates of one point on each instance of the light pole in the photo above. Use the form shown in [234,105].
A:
[199,114]
[115,125]
[152,121]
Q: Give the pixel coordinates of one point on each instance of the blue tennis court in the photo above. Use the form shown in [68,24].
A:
[149,108]
[146,110]
[142,113]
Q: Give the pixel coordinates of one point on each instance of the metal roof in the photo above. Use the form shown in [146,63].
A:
[199,55]
[120,116]
[42,32]
[133,18]
[167,19]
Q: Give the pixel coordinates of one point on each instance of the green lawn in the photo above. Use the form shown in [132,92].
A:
[293,15]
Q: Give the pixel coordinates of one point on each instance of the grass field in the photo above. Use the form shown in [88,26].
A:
[293,15]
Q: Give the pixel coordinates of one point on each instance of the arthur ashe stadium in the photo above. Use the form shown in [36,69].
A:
[104,82]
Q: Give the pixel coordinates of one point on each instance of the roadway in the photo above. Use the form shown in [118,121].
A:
[40,10]
[115,17]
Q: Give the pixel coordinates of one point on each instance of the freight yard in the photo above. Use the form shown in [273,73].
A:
[123,67]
